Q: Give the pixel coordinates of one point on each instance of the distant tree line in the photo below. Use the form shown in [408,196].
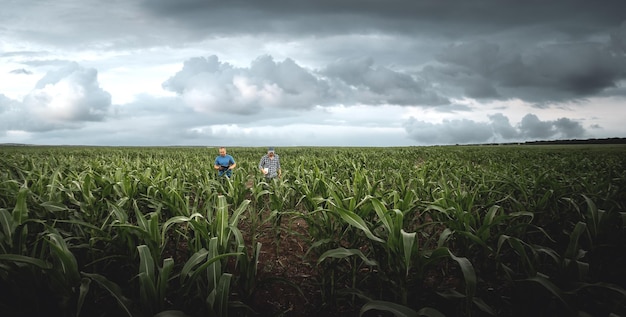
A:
[575,141]
[554,142]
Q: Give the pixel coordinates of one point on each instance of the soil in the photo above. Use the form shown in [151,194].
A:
[287,280]
[282,262]
[282,259]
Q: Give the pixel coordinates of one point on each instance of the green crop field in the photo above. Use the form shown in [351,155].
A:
[409,231]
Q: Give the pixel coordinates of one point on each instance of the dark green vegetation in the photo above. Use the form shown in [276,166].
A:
[454,231]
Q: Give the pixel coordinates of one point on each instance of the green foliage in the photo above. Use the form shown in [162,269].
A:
[152,230]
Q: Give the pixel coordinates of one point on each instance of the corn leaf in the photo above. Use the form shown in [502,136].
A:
[409,240]
[84,289]
[340,253]
[113,289]
[16,258]
[357,222]
[222,293]
[8,225]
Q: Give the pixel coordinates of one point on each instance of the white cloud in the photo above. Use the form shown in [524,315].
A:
[68,95]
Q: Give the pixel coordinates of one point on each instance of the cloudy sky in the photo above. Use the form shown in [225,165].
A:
[323,72]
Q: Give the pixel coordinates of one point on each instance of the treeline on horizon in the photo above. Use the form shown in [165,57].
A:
[559,142]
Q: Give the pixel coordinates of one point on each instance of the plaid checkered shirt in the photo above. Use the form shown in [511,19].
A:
[272,165]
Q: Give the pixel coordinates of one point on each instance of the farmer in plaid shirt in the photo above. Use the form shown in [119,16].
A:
[270,164]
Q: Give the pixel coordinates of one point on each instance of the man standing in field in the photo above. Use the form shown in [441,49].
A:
[270,164]
[224,163]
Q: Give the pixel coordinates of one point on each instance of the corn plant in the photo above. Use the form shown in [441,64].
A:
[282,199]
[205,282]
[153,281]
[398,253]
[224,227]
[258,192]
[247,266]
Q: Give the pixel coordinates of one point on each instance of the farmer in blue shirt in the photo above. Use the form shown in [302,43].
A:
[224,163]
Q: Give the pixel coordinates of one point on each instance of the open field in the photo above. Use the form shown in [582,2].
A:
[452,231]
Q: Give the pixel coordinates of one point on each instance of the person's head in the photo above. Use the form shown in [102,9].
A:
[270,152]
[222,151]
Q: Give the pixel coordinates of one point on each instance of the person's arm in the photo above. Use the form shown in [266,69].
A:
[216,165]
[233,164]
[261,164]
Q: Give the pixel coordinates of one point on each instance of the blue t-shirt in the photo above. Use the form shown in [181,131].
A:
[225,160]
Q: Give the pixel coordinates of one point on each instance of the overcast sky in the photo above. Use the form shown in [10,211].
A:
[318,72]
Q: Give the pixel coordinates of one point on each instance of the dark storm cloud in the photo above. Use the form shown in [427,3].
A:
[579,69]
[618,39]
[452,108]
[549,73]
[569,128]
[397,16]
[533,128]
[502,126]
[499,129]
[367,83]
[538,51]
[85,24]
[541,52]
